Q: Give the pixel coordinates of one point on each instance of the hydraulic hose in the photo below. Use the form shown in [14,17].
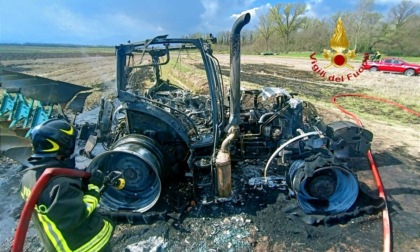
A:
[387,236]
[25,217]
[284,146]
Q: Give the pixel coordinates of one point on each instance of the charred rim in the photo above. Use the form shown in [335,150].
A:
[141,163]
[323,185]
[330,189]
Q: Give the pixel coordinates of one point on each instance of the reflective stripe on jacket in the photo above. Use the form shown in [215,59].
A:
[60,244]
[65,217]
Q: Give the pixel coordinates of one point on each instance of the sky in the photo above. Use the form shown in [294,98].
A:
[108,22]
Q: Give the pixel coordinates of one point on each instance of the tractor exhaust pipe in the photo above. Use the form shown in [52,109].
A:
[235,69]
[223,161]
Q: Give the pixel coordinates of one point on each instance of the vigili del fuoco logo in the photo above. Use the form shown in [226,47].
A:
[338,57]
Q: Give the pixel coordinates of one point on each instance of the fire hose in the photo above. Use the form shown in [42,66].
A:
[387,231]
[25,218]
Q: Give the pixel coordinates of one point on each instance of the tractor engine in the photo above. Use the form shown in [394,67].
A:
[268,116]
[278,127]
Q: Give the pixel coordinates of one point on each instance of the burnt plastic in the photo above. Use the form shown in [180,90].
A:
[348,139]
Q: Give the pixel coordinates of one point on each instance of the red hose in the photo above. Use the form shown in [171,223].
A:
[25,217]
[385,214]
[371,98]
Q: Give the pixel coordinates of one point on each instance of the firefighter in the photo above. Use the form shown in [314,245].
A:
[365,57]
[65,215]
[377,56]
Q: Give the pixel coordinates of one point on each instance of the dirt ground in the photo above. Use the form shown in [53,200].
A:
[260,220]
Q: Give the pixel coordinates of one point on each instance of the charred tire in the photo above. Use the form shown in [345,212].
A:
[141,163]
[409,72]
[330,189]
[373,69]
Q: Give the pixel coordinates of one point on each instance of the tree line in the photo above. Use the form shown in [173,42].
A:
[286,28]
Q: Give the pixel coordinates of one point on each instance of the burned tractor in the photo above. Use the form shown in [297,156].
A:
[156,129]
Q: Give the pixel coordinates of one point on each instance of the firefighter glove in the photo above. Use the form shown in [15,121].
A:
[97,178]
[95,182]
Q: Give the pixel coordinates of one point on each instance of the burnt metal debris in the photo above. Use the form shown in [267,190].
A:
[157,130]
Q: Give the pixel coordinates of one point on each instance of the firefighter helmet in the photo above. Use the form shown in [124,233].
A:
[53,137]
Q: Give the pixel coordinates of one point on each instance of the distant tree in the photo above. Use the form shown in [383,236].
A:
[197,35]
[402,31]
[223,38]
[410,36]
[401,12]
[247,37]
[363,10]
[265,28]
[375,31]
[287,18]
[313,36]
[286,28]
[346,16]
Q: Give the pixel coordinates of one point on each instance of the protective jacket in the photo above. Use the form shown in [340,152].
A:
[64,216]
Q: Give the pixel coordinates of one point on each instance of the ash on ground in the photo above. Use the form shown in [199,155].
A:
[258,217]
